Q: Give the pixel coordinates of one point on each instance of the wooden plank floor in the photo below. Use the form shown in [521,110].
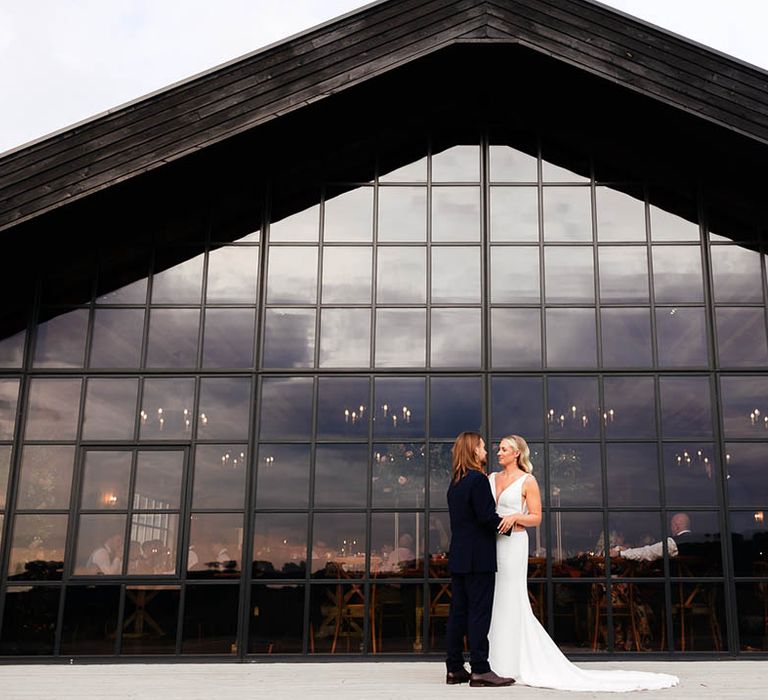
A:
[745,680]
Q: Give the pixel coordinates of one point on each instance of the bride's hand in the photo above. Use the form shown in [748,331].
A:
[507,522]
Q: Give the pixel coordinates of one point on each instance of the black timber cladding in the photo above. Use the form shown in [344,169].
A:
[281,79]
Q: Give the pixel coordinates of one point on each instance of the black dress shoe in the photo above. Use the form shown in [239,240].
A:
[489,680]
[456,677]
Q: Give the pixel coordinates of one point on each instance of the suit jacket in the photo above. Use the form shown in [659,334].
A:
[474,524]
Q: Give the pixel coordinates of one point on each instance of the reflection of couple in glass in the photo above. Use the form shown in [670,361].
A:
[489,590]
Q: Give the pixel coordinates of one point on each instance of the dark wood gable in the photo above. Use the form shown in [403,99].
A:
[282,79]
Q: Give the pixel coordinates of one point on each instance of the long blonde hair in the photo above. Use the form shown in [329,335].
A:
[464,455]
[524,459]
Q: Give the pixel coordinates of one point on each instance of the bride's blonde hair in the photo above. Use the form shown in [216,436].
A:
[524,459]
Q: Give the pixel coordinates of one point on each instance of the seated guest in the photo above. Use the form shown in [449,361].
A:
[679,542]
[108,558]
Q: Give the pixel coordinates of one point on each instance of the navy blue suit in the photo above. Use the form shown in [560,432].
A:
[472,563]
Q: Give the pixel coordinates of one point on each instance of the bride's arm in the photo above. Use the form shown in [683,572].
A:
[532,496]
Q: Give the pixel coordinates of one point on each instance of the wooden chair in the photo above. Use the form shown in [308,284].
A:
[623,608]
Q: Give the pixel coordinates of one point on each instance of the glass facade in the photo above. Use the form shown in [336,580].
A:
[243,450]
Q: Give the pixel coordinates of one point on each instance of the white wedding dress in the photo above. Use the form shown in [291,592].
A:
[520,647]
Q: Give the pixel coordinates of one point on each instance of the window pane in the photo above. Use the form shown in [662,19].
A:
[225,408]
[677,274]
[228,338]
[401,276]
[110,409]
[455,214]
[569,275]
[339,545]
[456,405]
[736,274]
[341,476]
[9,394]
[145,605]
[117,337]
[510,165]
[572,407]
[630,407]
[632,470]
[345,338]
[516,338]
[750,539]
[682,337]
[685,407]
[630,531]
[332,604]
[514,213]
[52,409]
[668,227]
[741,340]
[232,275]
[699,550]
[210,620]
[575,475]
[397,545]
[299,227]
[106,476]
[280,545]
[572,609]
[119,285]
[289,338]
[286,407]
[349,216]
[747,472]
[173,338]
[100,544]
[415,171]
[158,479]
[37,547]
[439,474]
[343,409]
[292,277]
[571,338]
[626,337]
[623,274]
[219,476]
[180,284]
[455,337]
[60,339]
[751,602]
[567,214]
[745,406]
[277,623]
[12,343]
[455,275]
[166,408]
[620,217]
[515,275]
[578,544]
[402,214]
[215,545]
[401,338]
[283,476]
[516,407]
[152,548]
[90,620]
[398,475]
[456,164]
[46,477]
[690,474]
[399,406]
[5,470]
[347,275]
[29,623]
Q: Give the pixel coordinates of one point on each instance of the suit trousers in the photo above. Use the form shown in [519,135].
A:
[470,614]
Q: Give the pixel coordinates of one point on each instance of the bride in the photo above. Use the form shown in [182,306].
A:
[519,646]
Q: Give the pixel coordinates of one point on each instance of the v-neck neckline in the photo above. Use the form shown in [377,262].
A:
[509,485]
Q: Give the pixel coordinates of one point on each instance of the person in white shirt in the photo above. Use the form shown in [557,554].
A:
[679,527]
[108,559]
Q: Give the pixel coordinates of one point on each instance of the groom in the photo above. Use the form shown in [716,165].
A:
[472,562]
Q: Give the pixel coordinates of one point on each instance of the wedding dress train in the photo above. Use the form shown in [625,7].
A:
[519,646]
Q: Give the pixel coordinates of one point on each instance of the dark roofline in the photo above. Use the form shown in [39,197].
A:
[241,94]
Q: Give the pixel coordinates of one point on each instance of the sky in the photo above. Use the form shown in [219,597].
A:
[63,61]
